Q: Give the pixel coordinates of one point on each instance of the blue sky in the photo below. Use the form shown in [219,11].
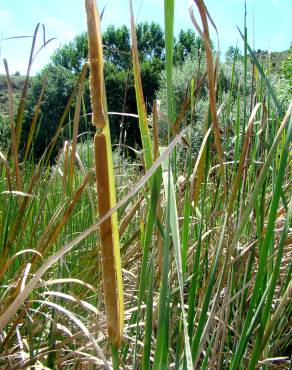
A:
[66,18]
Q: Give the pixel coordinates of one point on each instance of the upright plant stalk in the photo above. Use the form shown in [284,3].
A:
[23,96]
[109,236]
[162,342]
[211,73]
[34,120]
[263,255]
[169,24]
[12,128]
[245,69]
[141,108]
[76,125]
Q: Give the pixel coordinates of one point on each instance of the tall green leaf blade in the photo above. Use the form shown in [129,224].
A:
[170,189]
[143,124]
[263,257]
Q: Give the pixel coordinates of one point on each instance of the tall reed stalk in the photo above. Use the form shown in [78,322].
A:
[205,233]
[109,233]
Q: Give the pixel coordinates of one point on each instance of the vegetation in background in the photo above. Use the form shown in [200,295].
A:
[204,254]
[67,63]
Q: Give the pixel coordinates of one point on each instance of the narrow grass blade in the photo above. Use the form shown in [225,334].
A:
[151,216]
[169,188]
[169,22]
[211,80]
[242,161]
[261,340]
[34,120]
[8,173]
[148,321]
[82,326]
[12,128]
[261,178]
[76,124]
[7,316]
[264,251]
[207,297]
[143,124]
[266,80]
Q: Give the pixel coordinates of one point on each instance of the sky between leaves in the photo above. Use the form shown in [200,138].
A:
[64,19]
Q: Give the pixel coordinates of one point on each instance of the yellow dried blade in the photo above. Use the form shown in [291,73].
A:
[143,124]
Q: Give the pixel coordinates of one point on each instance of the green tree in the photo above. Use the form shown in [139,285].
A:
[150,38]
[117,47]
[60,84]
[67,62]
[233,52]
[187,44]
[72,56]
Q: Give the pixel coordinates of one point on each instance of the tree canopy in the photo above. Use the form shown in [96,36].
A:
[233,52]
[67,62]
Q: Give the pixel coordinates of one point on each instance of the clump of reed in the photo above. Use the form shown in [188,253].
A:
[190,269]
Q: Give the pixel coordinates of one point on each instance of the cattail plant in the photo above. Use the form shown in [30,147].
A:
[207,271]
[109,234]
